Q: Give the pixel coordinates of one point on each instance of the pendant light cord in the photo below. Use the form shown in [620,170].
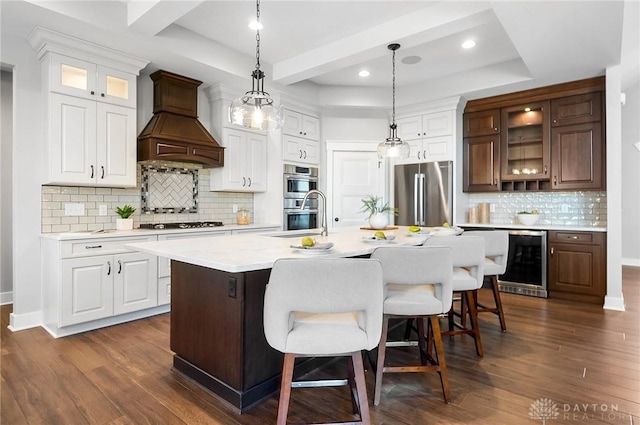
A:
[258,36]
[393,115]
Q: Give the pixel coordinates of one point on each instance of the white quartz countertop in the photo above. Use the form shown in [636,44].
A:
[144,232]
[246,252]
[537,226]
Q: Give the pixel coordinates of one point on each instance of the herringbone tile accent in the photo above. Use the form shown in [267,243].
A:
[167,190]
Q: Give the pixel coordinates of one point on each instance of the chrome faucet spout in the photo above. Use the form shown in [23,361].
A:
[325,230]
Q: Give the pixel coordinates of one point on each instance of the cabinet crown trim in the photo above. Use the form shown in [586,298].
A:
[45,41]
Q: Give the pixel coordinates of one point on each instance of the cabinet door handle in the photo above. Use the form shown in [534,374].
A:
[551,250]
[300,153]
[92,171]
[249,179]
[109,271]
[545,169]
[92,92]
[495,129]
[419,152]
[555,180]
[119,266]
[424,154]
[491,162]
[102,167]
[102,94]
[305,154]
[244,181]
[92,246]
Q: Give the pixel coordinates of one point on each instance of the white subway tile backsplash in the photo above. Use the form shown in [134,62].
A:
[212,206]
[557,208]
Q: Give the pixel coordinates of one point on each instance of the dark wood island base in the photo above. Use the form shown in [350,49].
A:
[217,334]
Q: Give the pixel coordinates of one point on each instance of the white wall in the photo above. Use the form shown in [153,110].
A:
[28,155]
[631,176]
[6,238]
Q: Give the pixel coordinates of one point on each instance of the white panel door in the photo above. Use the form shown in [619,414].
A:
[135,285]
[73,140]
[355,174]
[87,289]
[116,146]
[257,172]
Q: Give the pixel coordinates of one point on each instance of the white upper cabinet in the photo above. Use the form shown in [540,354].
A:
[301,138]
[301,125]
[88,80]
[90,94]
[430,136]
[245,167]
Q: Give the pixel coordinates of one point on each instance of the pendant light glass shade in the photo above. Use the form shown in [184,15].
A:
[256,109]
[393,146]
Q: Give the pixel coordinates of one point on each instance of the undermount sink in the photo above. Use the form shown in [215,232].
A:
[295,235]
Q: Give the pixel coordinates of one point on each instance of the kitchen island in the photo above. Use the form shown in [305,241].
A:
[217,292]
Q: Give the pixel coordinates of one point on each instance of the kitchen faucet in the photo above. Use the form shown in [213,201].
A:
[325,231]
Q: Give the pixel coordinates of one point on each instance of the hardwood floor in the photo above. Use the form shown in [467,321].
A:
[582,358]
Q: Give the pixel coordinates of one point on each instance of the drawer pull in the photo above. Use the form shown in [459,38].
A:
[575,237]
[92,246]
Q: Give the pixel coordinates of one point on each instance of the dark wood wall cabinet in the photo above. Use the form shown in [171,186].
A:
[551,138]
[577,266]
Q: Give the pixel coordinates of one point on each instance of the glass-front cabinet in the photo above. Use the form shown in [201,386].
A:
[525,142]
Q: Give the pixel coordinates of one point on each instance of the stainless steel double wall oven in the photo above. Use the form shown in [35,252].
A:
[297,182]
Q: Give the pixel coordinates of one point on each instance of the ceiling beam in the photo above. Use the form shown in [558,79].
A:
[151,17]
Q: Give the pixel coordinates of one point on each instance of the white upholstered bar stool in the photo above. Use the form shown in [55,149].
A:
[324,308]
[468,273]
[417,286]
[496,254]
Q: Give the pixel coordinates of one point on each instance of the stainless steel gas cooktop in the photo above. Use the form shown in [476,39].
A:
[184,225]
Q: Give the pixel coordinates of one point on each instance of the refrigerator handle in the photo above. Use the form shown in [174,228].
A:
[415,199]
[421,196]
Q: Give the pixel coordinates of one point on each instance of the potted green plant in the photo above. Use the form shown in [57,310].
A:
[125,222]
[378,212]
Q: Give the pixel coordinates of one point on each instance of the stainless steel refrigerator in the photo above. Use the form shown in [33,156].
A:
[423,193]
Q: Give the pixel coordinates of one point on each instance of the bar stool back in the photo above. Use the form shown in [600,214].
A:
[417,286]
[324,308]
[496,252]
[468,273]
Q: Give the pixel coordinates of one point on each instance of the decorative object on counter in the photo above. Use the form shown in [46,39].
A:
[528,218]
[377,211]
[124,222]
[169,190]
[484,214]
[473,215]
[256,109]
[243,216]
[393,147]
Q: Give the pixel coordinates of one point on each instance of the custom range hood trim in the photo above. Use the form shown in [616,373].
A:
[174,133]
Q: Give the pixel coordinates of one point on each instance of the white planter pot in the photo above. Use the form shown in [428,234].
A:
[379,221]
[124,224]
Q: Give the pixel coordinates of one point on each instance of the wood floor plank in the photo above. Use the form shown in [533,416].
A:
[122,375]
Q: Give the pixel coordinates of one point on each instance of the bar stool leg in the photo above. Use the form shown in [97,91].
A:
[437,339]
[498,301]
[380,361]
[285,388]
[361,388]
[473,315]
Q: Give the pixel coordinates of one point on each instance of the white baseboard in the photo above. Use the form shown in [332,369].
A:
[20,322]
[6,298]
[613,303]
[634,262]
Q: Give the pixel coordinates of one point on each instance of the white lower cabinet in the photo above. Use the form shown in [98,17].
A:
[92,283]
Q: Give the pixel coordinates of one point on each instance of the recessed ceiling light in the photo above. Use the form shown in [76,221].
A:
[468,44]
[410,60]
[255,25]
[364,73]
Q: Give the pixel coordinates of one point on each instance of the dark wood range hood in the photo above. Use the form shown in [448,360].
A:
[174,133]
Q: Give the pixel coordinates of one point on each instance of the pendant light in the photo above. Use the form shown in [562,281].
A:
[393,147]
[256,109]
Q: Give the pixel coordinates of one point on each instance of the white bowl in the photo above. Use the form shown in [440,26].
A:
[528,219]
